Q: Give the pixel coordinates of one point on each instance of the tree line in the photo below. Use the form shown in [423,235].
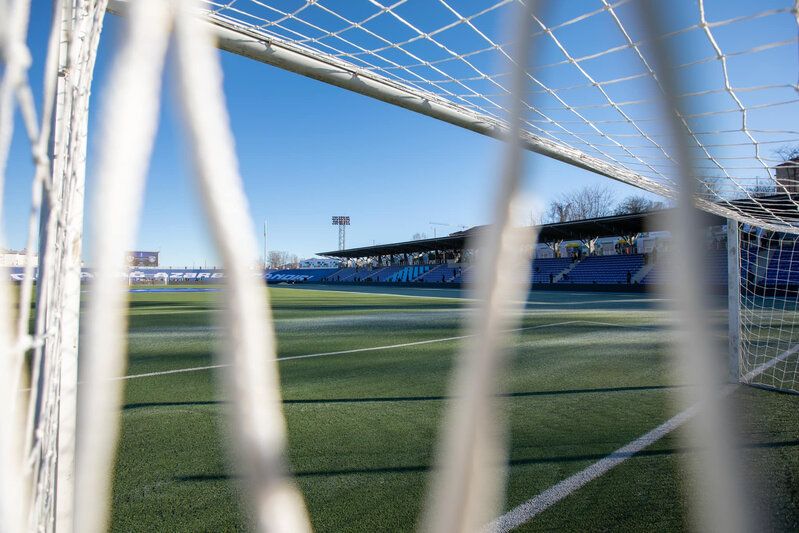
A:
[594,202]
[282,259]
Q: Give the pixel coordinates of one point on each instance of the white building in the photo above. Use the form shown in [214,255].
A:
[13,258]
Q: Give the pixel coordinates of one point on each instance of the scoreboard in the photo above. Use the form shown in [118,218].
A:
[142,259]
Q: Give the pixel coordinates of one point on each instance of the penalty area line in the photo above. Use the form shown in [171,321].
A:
[528,510]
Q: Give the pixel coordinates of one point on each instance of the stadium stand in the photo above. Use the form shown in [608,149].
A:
[439,274]
[341,274]
[783,267]
[299,274]
[385,273]
[463,275]
[716,270]
[543,267]
[656,276]
[605,269]
[408,273]
[717,267]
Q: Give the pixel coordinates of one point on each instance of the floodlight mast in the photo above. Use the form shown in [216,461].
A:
[342,222]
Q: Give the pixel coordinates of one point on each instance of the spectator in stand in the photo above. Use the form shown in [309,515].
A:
[629,277]
[550,277]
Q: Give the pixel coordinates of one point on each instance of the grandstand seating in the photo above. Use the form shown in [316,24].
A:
[656,276]
[716,270]
[605,269]
[344,274]
[773,266]
[439,273]
[383,274]
[542,268]
[545,266]
[463,275]
[783,268]
[717,267]
[408,273]
[299,274]
[748,260]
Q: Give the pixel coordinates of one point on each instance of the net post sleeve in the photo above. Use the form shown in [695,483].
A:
[473,448]
[252,375]
[724,505]
[68,368]
[734,301]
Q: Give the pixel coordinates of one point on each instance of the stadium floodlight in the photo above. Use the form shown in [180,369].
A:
[645,105]
[342,222]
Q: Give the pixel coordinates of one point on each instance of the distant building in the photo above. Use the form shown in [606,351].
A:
[788,175]
[13,258]
[319,263]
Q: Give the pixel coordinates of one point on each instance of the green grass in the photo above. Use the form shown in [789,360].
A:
[362,426]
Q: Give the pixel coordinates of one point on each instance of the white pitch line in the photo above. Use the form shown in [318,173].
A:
[342,352]
[765,366]
[529,509]
[165,372]
[356,350]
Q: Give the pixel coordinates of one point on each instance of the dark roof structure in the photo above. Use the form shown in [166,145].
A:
[610,226]
[782,207]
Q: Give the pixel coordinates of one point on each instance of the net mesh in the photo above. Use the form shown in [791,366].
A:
[596,95]
[56,135]
[769,307]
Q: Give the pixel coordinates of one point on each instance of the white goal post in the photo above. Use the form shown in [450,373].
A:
[651,125]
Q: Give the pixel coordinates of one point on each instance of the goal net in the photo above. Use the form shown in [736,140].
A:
[769,308]
[695,102]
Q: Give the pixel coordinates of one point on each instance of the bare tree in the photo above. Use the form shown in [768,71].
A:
[592,202]
[715,188]
[558,211]
[282,259]
[760,191]
[589,202]
[637,204]
[788,153]
[419,236]
[274,259]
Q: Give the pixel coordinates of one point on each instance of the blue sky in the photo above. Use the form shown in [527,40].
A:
[307,151]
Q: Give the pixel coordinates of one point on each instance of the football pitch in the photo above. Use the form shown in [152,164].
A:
[365,383]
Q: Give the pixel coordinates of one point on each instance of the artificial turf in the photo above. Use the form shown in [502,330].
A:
[362,426]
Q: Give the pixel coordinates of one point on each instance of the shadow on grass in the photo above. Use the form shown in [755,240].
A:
[413,398]
[506,395]
[142,405]
[138,303]
[512,462]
